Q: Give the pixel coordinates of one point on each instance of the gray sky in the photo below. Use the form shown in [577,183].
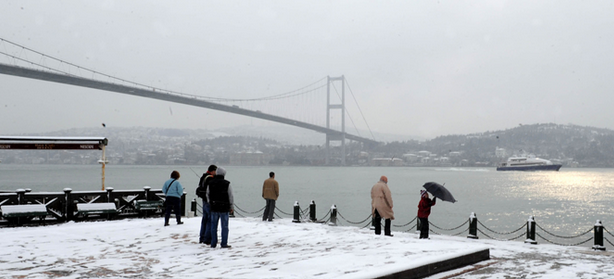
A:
[418,68]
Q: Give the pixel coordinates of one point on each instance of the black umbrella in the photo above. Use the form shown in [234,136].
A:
[439,191]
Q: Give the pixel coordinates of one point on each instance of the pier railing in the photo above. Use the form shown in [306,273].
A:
[69,205]
[472,227]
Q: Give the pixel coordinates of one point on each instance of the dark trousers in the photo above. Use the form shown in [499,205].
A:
[424,227]
[377,223]
[172,203]
[269,210]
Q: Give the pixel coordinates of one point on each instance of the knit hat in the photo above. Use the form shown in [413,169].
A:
[220,171]
[423,192]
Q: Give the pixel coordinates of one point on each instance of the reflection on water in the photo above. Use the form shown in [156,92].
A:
[568,201]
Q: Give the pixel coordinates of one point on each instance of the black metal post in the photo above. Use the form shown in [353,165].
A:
[530,231]
[297,213]
[69,212]
[146,190]
[598,230]
[193,207]
[312,211]
[110,194]
[473,226]
[333,215]
[21,196]
[183,203]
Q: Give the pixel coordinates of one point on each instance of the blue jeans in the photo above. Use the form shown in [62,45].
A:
[215,217]
[205,232]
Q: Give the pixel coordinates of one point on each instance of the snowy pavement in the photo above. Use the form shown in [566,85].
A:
[143,248]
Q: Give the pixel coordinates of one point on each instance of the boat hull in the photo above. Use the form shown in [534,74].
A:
[553,167]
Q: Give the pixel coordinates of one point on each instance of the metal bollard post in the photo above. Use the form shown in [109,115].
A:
[21,196]
[418,225]
[312,211]
[193,208]
[598,230]
[110,194]
[473,226]
[68,210]
[530,231]
[333,215]
[297,213]
[146,189]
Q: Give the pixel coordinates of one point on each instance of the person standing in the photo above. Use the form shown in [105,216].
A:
[381,206]
[270,192]
[173,191]
[424,210]
[201,191]
[219,195]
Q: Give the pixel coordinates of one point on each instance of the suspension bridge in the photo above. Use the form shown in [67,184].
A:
[25,62]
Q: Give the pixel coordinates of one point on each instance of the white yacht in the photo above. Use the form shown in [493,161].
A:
[527,163]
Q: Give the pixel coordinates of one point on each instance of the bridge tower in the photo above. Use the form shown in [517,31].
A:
[335,137]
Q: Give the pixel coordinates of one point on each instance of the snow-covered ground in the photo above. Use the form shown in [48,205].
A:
[143,248]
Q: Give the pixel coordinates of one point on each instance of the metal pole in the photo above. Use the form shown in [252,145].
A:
[333,215]
[297,213]
[473,226]
[530,231]
[103,161]
[312,211]
[598,230]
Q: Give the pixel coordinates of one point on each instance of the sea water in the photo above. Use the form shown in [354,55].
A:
[567,202]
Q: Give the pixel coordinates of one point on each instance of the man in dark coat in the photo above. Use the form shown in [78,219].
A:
[219,195]
[201,191]
[424,210]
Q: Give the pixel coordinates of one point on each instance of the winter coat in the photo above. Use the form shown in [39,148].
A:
[270,189]
[219,194]
[176,190]
[381,200]
[201,191]
[424,207]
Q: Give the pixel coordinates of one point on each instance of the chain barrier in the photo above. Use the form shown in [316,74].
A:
[560,236]
[608,232]
[488,236]
[367,225]
[503,233]
[457,234]
[580,243]
[324,218]
[415,226]
[355,223]
[451,228]
[400,226]
[608,241]
[247,212]
[240,215]
[279,210]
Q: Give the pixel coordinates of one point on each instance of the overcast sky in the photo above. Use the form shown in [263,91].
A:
[416,68]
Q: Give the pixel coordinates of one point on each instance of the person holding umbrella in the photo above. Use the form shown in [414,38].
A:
[424,210]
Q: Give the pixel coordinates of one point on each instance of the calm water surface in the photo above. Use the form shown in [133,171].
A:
[567,202]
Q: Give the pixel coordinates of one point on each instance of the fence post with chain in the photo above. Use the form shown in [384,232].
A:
[530,231]
[312,211]
[333,215]
[598,237]
[193,208]
[297,213]
[473,226]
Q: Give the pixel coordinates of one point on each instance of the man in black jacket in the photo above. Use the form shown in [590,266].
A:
[201,191]
[219,195]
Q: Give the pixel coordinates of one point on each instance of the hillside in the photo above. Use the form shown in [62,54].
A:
[571,145]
